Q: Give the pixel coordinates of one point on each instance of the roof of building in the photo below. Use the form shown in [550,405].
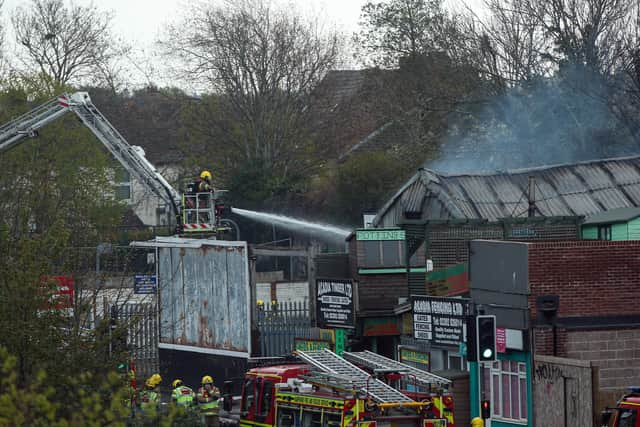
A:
[580,189]
[614,216]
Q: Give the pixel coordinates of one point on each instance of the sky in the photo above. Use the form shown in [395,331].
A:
[140,23]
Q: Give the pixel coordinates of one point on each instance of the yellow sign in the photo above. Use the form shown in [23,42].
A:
[291,398]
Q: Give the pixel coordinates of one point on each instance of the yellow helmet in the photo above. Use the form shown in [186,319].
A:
[205,175]
[176,383]
[477,422]
[207,379]
[260,302]
[154,380]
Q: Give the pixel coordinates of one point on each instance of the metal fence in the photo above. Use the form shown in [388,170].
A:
[142,336]
[279,324]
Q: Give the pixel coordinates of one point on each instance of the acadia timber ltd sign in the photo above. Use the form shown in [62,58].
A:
[334,303]
[439,320]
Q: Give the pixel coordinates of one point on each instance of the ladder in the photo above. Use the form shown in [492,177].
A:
[328,361]
[131,157]
[375,361]
[28,124]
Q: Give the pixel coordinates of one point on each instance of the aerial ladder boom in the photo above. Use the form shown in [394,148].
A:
[131,157]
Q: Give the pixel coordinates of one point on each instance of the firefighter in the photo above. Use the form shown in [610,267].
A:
[205,201]
[182,395]
[477,422]
[204,183]
[150,397]
[208,396]
[128,374]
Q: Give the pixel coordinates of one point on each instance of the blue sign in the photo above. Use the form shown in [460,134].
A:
[145,284]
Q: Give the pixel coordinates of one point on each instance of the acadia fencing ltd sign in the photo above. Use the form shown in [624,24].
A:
[439,320]
[334,303]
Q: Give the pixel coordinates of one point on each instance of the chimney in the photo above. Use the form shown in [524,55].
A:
[531,197]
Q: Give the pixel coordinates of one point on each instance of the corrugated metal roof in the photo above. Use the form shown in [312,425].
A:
[584,188]
[613,216]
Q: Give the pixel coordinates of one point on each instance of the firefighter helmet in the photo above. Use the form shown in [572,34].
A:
[477,422]
[176,383]
[154,380]
[206,175]
[207,380]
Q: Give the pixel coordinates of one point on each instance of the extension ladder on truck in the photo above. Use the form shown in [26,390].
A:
[328,361]
[375,361]
[131,157]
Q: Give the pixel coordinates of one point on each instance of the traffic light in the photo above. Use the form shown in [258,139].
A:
[485,409]
[486,338]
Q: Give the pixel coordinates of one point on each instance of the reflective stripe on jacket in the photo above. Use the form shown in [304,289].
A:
[149,401]
[183,396]
[208,400]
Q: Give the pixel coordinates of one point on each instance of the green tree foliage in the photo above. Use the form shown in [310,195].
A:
[60,177]
[93,400]
[55,195]
[362,183]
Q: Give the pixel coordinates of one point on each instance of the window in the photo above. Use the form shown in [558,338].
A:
[627,419]
[455,362]
[506,382]
[267,393]
[123,184]
[248,395]
[604,232]
[383,253]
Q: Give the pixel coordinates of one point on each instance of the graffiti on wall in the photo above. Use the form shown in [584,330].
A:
[547,373]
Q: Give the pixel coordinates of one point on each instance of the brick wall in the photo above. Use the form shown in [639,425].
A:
[616,352]
[381,291]
[594,279]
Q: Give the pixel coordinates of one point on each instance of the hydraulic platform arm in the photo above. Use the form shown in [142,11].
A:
[131,157]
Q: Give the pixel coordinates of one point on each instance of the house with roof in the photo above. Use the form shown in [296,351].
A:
[614,224]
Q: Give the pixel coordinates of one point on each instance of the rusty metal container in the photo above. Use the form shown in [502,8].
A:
[204,296]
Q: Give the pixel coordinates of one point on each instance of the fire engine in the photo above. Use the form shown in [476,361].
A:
[627,410]
[327,390]
[194,213]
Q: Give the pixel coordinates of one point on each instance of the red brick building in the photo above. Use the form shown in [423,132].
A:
[598,316]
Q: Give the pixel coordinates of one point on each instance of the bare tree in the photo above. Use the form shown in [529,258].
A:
[506,47]
[65,44]
[263,63]
[583,32]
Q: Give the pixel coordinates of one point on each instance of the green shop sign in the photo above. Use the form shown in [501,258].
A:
[407,355]
[380,234]
[303,344]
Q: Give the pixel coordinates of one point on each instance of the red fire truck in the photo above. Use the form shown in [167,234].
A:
[627,411]
[329,391]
